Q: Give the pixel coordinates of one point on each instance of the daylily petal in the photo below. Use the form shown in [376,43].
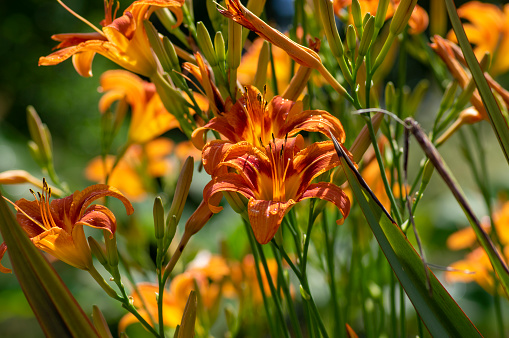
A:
[228,182]
[3,249]
[62,245]
[99,217]
[266,217]
[82,199]
[82,62]
[331,193]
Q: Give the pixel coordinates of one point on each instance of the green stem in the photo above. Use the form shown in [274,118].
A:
[102,283]
[250,236]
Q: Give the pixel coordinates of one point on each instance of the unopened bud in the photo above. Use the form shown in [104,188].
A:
[402,15]
[182,190]
[369,29]
[381,12]
[390,96]
[234,44]
[172,54]
[157,46]
[205,44]
[219,47]
[111,248]
[351,39]
[189,316]
[357,15]
[261,70]
[236,201]
[329,26]
[97,251]
[40,135]
[158,213]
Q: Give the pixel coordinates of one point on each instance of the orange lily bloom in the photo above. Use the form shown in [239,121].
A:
[476,266]
[126,176]
[418,20]
[273,179]
[255,120]
[488,30]
[149,118]
[57,227]
[122,40]
[146,296]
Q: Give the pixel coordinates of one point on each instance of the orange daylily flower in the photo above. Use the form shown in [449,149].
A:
[126,176]
[273,179]
[57,227]
[257,121]
[476,266]
[418,21]
[208,272]
[149,118]
[146,303]
[123,40]
[452,56]
[488,30]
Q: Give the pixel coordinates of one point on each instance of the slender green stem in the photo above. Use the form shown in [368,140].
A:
[288,296]
[388,190]
[498,311]
[273,71]
[250,236]
[402,312]
[102,283]
[394,320]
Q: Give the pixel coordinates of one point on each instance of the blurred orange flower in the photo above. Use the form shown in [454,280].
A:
[476,266]
[57,227]
[488,29]
[151,158]
[123,40]
[418,20]
[149,118]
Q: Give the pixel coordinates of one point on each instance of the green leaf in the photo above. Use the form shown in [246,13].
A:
[438,311]
[54,306]
[497,120]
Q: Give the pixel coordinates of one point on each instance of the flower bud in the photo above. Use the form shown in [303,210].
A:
[172,54]
[357,15]
[97,251]
[236,201]
[219,47]
[234,44]
[189,317]
[402,15]
[158,213]
[41,137]
[205,44]
[390,96]
[329,26]
[181,191]
[111,249]
[157,46]
[369,29]
[351,39]
[261,70]
[381,12]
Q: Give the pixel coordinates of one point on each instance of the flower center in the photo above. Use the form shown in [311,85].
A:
[279,169]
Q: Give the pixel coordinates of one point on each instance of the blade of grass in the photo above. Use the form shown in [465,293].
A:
[497,120]
[54,306]
[437,309]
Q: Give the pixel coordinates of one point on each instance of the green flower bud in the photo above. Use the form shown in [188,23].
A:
[261,70]
[205,44]
[369,29]
[41,137]
[402,15]
[351,39]
[97,251]
[357,15]
[329,26]
[158,213]
[381,12]
[390,96]
[219,47]
[157,46]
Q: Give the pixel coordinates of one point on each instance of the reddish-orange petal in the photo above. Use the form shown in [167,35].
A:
[266,217]
[329,192]
[3,249]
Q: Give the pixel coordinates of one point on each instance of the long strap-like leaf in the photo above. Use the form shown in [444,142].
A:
[438,311]
[497,120]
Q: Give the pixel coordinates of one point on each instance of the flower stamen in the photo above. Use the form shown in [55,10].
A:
[85,21]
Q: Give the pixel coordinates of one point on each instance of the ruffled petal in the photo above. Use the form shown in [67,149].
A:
[228,182]
[82,199]
[266,217]
[82,62]
[99,217]
[3,249]
[329,192]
